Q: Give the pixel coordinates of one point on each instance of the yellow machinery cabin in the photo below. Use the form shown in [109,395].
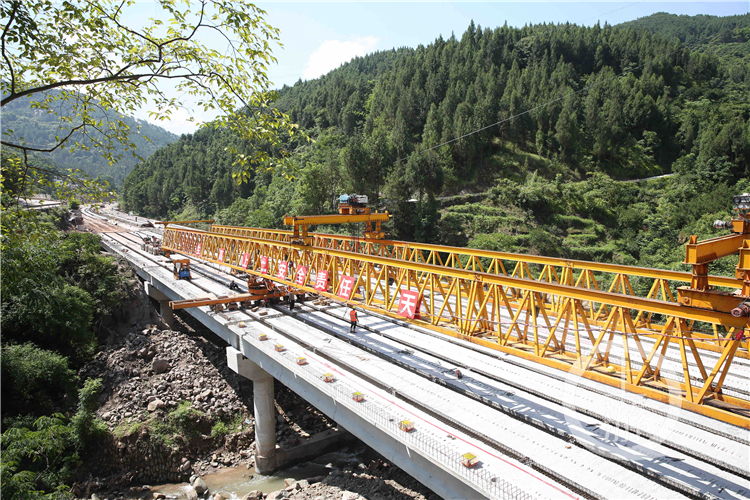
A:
[469,460]
[406,425]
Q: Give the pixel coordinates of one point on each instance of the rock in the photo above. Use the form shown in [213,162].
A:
[156,404]
[185,466]
[200,486]
[350,495]
[289,481]
[316,479]
[220,496]
[193,478]
[253,495]
[301,485]
[382,487]
[160,366]
[191,494]
[276,495]
[159,495]
[94,496]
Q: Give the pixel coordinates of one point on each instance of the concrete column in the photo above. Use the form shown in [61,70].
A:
[167,314]
[265,426]
[165,311]
[263,409]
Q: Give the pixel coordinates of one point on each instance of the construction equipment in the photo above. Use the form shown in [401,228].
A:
[352,209]
[700,254]
[152,245]
[582,317]
[181,269]
[406,425]
[469,460]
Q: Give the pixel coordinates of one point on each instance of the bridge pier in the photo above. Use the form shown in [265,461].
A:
[263,409]
[166,312]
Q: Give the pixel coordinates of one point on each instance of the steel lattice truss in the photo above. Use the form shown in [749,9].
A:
[581,317]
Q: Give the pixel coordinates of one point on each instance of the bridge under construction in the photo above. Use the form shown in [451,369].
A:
[486,374]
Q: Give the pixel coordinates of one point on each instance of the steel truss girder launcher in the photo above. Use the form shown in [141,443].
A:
[580,317]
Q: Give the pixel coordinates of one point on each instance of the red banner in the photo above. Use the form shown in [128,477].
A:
[245,260]
[283,269]
[198,248]
[346,287]
[222,254]
[301,275]
[321,281]
[264,264]
[408,304]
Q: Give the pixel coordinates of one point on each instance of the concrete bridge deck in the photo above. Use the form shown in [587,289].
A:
[537,434]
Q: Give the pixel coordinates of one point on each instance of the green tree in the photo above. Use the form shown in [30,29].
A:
[81,58]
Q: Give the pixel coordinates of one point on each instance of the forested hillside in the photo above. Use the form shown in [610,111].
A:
[38,129]
[564,113]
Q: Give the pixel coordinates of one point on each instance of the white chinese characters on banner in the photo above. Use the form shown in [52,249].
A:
[408,304]
[245,260]
[321,281]
[301,275]
[198,249]
[283,269]
[346,287]
[264,264]
[222,254]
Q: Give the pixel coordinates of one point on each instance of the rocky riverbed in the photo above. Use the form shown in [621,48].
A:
[176,412]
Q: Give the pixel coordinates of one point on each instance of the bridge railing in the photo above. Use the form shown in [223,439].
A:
[384,418]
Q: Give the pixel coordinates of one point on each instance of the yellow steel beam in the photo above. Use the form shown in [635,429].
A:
[309,220]
[715,248]
[586,294]
[243,297]
[335,240]
[477,296]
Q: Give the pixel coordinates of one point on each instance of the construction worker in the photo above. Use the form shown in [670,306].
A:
[353,320]
[291,298]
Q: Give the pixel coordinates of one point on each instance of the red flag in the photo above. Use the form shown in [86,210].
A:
[198,249]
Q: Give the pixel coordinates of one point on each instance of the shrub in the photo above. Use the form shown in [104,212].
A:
[35,381]
[87,429]
[38,460]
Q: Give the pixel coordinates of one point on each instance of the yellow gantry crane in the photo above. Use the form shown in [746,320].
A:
[581,317]
[352,209]
[700,254]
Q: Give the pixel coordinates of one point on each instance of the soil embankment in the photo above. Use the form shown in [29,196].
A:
[175,411]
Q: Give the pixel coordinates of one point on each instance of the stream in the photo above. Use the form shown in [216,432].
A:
[237,482]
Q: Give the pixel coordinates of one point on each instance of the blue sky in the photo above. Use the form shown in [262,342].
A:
[320,36]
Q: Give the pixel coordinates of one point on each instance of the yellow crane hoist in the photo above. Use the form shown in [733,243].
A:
[352,209]
[701,253]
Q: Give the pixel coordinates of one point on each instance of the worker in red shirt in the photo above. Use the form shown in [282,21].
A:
[353,320]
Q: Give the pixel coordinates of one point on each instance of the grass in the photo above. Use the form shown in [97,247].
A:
[127,428]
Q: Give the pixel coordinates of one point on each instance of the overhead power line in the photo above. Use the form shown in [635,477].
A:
[551,101]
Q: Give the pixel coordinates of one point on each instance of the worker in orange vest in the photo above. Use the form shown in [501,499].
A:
[353,319]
